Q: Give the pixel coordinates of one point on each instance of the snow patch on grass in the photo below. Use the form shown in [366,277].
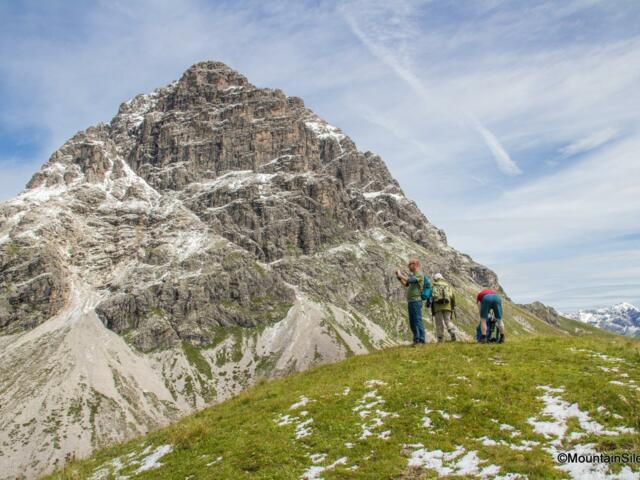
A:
[365,408]
[373,383]
[151,462]
[525,445]
[599,355]
[593,470]
[145,460]
[560,411]
[217,460]
[448,416]
[303,429]
[628,384]
[302,402]
[426,420]
[455,463]
[318,457]
[285,420]
[313,473]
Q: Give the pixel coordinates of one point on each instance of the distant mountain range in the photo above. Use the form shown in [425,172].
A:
[623,318]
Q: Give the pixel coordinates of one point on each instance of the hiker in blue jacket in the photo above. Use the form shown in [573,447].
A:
[414,283]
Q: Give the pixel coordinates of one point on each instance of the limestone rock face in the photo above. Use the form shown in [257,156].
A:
[544,312]
[213,233]
[141,208]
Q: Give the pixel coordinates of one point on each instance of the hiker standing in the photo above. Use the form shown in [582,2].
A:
[414,283]
[443,304]
[490,301]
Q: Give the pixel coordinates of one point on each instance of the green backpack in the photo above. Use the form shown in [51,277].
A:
[441,293]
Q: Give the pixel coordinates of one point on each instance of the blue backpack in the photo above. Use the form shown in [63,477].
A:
[426,289]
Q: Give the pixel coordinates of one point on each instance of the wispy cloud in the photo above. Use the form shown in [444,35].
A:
[595,140]
[584,280]
[504,161]
[387,30]
[593,201]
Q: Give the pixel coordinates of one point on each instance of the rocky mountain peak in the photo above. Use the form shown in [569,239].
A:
[622,318]
[211,75]
[205,159]
[626,307]
[211,234]
[544,312]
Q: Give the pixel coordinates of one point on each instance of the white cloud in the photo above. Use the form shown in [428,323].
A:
[590,142]
[594,200]
[595,279]
[504,161]
[387,30]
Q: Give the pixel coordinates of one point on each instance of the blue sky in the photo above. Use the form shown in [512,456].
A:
[515,126]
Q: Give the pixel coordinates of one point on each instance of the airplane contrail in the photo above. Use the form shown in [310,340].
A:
[391,57]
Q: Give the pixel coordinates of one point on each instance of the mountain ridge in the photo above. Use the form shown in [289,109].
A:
[622,318]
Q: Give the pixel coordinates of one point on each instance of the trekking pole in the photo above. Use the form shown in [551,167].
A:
[454,315]
[433,323]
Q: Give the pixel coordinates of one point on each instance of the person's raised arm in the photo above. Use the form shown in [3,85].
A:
[402,278]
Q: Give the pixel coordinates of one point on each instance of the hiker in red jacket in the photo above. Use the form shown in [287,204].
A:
[488,300]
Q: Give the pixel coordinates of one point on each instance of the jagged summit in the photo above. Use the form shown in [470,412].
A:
[622,318]
[213,125]
[214,74]
[211,234]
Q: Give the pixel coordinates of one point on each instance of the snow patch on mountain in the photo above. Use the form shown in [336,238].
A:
[623,318]
[323,130]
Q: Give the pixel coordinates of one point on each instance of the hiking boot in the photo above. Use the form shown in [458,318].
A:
[453,335]
[501,340]
[483,339]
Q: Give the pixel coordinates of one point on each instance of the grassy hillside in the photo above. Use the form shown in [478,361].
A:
[464,410]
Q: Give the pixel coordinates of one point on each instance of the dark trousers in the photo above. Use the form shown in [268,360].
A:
[415,321]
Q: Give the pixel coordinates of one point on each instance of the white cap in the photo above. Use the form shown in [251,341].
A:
[438,276]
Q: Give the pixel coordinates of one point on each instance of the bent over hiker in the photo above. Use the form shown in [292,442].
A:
[443,304]
[414,283]
[490,301]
